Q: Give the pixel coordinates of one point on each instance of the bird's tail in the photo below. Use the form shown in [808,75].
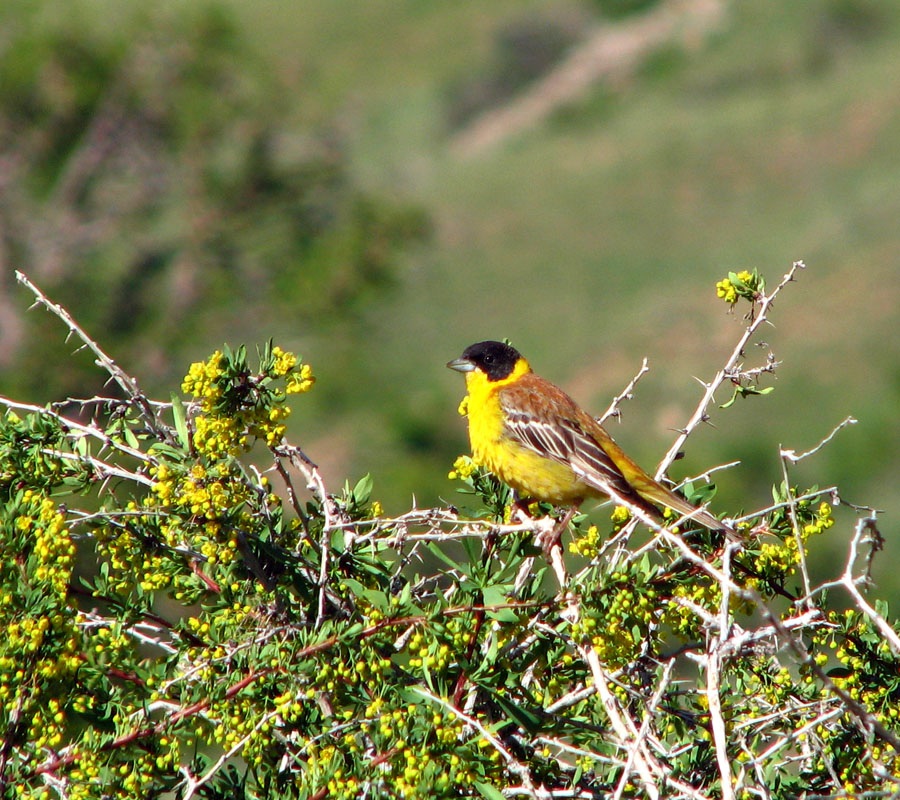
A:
[659,495]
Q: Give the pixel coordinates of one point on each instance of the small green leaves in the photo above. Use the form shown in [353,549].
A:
[746,284]
[746,391]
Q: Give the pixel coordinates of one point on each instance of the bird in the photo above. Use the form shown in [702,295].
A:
[536,439]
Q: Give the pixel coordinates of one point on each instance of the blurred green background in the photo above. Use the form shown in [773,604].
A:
[179,175]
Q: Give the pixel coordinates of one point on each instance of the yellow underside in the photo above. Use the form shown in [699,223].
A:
[532,476]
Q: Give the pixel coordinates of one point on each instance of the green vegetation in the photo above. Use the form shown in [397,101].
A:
[189,612]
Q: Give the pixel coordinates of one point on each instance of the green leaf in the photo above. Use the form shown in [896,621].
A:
[440,554]
[405,595]
[378,599]
[180,419]
[502,614]
[780,493]
[81,447]
[363,489]
[516,712]
[175,454]
[358,589]
[747,391]
[698,495]
[489,792]
[130,439]
[495,594]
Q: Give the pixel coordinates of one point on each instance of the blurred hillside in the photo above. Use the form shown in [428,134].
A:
[305,171]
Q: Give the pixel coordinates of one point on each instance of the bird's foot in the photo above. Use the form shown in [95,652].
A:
[549,538]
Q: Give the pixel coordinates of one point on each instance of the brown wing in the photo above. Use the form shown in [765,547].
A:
[545,419]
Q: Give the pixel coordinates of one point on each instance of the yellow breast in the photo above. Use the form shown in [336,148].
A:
[533,476]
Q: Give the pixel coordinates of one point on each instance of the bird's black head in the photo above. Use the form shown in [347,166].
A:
[494,359]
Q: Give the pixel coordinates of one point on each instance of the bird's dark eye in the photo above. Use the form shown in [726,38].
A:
[495,359]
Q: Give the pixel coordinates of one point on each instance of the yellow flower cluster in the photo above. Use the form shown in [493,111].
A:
[301,381]
[867,676]
[202,380]
[463,468]
[728,291]
[40,650]
[199,493]
[620,516]
[201,499]
[784,556]
[273,429]
[681,618]
[238,720]
[852,680]
[587,544]
[459,629]
[616,629]
[768,685]
[215,435]
[285,366]
[53,551]
[26,636]
[822,521]
[220,434]
[417,764]
[436,661]
[132,562]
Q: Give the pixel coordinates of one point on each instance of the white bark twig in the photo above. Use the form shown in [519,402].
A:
[648,769]
[91,430]
[713,675]
[642,734]
[126,382]
[863,527]
[626,394]
[700,413]
[794,457]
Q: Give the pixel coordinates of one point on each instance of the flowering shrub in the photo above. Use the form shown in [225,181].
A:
[190,612]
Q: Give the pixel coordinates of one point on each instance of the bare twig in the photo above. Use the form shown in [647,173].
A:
[866,527]
[126,382]
[299,460]
[713,674]
[626,394]
[644,731]
[795,527]
[648,769]
[701,412]
[786,504]
[793,457]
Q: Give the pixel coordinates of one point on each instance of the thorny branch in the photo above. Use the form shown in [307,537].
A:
[126,382]
[626,394]
[701,413]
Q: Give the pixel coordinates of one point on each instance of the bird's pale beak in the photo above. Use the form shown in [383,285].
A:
[461,365]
